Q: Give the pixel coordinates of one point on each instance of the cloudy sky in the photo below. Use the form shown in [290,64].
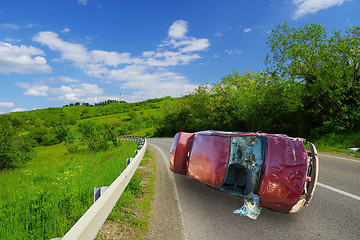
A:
[57,52]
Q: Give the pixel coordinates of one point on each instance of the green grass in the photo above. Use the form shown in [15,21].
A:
[339,143]
[113,119]
[44,199]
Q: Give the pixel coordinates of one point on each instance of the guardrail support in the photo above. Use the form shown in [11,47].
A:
[99,191]
[128,161]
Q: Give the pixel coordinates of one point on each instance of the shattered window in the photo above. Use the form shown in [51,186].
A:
[245,162]
[246,159]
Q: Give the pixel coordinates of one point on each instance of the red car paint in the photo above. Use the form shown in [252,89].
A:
[180,149]
[208,159]
[204,156]
[285,173]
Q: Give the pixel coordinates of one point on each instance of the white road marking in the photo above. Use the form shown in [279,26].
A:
[339,191]
[165,158]
[342,158]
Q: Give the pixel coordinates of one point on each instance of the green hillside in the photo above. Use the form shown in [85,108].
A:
[101,125]
[138,118]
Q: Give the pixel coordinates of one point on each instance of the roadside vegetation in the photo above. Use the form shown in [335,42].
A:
[339,143]
[44,199]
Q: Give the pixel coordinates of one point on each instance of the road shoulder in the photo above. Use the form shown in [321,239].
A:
[165,217]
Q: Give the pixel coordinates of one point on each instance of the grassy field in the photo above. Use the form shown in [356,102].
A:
[46,197]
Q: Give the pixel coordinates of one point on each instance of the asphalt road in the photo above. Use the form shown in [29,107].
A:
[334,212]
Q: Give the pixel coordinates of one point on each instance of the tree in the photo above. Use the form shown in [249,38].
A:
[327,67]
[15,150]
[63,134]
[97,136]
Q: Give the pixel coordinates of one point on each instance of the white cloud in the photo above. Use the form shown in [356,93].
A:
[19,110]
[305,7]
[12,40]
[196,45]
[22,59]
[65,30]
[31,25]
[83,92]
[10,26]
[218,34]
[17,27]
[96,70]
[98,63]
[246,30]
[163,83]
[148,54]
[37,89]
[60,79]
[169,58]
[78,89]
[233,51]
[177,39]
[133,73]
[82,2]
[69,51]
[111,58]
[178,29]
[78,92]
[7,104]
[148,70]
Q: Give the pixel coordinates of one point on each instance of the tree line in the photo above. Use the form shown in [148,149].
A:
[310,87]
[106,102]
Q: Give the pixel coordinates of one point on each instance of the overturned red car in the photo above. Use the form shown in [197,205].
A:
[275,167]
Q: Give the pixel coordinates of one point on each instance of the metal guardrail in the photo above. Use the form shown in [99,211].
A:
[90,223]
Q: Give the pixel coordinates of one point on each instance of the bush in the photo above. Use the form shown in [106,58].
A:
[98,137]
[15,150]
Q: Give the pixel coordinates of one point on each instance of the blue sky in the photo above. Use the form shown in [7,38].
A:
[57,52]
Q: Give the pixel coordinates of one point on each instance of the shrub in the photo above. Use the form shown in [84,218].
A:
[15,149]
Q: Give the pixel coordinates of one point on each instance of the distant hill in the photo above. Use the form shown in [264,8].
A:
[139,118]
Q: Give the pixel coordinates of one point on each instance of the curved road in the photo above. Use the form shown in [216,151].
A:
[202,213]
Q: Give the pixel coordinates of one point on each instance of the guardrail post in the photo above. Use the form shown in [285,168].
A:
[128,161]
[98,192]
